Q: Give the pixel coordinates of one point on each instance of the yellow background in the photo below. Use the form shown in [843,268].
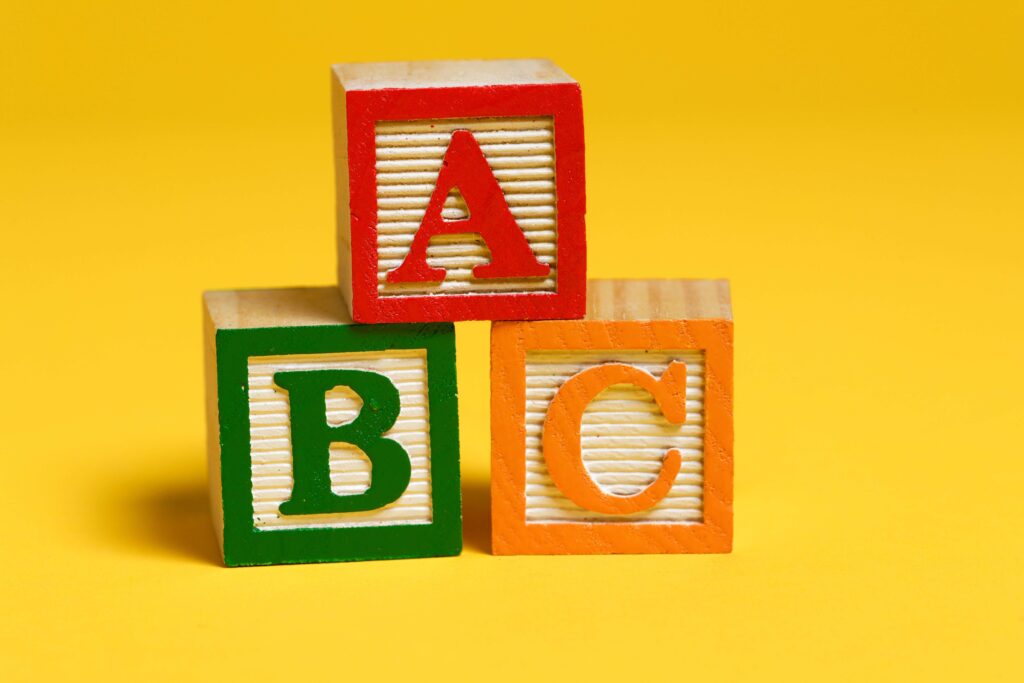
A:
[856,170]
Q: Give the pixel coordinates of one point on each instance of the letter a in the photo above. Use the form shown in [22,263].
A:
[465,167]
[312,437]
[563,450]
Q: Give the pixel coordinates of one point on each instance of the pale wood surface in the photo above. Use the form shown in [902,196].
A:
[624,437]
[213,428]
[520,152]
[294,307]
[658,300]
[449,74]
[341,194]
[270,438]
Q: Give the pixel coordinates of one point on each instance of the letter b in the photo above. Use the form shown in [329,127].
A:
[312,437]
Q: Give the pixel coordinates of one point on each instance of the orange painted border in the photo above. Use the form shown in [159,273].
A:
[510,342]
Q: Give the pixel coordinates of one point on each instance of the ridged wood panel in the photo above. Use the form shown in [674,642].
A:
[624,438]
[520,152]
[270,436]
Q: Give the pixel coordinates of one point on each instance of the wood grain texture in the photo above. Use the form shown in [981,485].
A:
[291,307]
[449,74]
[253,339]
[393,125]
[529,514]
[213,454]
[520,153]
[270,439]
[342,203]
[658,300]
[624,436]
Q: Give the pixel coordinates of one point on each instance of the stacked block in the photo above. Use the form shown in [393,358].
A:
[460,191]
[328,441]
[614,433]
[332,411]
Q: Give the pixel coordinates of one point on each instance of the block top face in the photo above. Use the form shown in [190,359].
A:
[449,74]
[263,308]
[625,300]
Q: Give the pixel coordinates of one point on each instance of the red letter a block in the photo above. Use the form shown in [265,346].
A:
[460,191]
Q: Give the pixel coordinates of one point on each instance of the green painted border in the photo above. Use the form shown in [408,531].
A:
[246,545]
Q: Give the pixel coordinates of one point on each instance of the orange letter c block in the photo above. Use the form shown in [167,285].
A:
[563,450]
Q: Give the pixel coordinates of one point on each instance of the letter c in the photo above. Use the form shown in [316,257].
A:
[563,450]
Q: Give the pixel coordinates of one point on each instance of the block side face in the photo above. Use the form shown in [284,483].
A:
[339,120]
[426,519]
[669,299]
[417,254]
[623,441]
[266,308]
[213,450]
[448,74]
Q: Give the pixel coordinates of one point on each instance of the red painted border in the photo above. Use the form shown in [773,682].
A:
[561,101]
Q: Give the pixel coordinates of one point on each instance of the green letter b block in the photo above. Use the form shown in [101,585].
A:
[329,441]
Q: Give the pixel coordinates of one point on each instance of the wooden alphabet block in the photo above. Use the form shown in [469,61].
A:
[613,434]
[460,191]
[328,441]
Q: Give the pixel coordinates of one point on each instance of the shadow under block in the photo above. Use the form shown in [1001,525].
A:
[614,434]
[460,191]
[328,441]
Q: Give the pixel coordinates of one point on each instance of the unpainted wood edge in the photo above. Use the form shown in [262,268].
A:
[344,72]
[339,119]
[724,288]
[719,298]
[213,452]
